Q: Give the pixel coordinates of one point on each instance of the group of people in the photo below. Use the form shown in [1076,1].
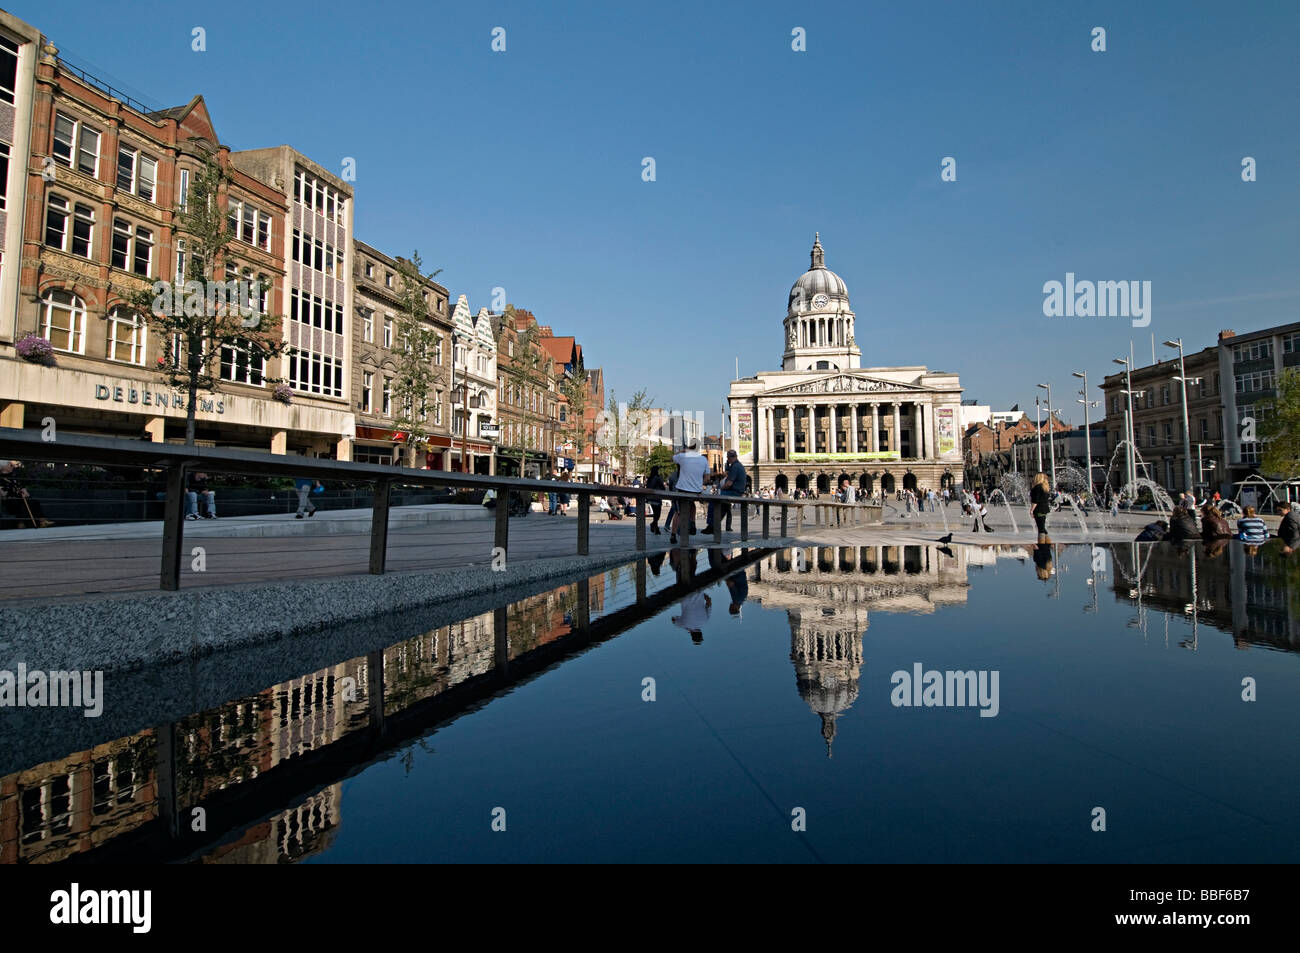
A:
[1250,528]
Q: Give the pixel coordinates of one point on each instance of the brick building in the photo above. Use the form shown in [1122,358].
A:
[528,397]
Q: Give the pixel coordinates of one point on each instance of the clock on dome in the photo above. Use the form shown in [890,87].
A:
[820,301]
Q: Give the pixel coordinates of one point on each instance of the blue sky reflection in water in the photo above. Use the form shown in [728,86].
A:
[1128,706]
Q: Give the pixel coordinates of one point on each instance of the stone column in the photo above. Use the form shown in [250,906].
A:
[898,428]
[343,449]
[831,420]
[853,440]
[918,438]
[280,441]
[875,428]
[156,428]
[11,414]
[789,430]
[812,428]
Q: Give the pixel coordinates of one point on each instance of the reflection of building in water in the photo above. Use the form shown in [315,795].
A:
[1255,596]
[60,808]
[292,835]
[827,592]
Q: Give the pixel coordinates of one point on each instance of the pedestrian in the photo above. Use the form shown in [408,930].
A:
[731,484]
[198,489]
[980,512]
[1289,529]
[691,468]
[305,487]
[562,498]
[552,498]
[654,503]
[1041,498]
[16,499]
[738,587]
[1250,528]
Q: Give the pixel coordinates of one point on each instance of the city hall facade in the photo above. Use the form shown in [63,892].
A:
[823,417]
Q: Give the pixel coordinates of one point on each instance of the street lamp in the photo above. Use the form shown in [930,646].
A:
[1051,434]
[1200,466]
[1128,418]
[1087,427]
[1187,432]
[1038,431]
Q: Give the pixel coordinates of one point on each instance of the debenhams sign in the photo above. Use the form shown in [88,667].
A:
[130,394]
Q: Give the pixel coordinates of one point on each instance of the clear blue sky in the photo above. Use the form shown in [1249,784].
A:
[522,169]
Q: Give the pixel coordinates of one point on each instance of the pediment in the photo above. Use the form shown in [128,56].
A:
[846,384]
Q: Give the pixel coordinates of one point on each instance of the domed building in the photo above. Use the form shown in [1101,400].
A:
[824,417]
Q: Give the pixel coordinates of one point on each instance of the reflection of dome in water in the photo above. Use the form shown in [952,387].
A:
[827,665]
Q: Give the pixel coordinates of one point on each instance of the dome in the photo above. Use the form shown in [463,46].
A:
[818,279]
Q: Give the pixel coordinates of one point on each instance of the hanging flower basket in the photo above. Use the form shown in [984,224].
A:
[34,348]
[283,393]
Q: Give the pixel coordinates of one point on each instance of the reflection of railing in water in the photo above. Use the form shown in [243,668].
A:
[249,756]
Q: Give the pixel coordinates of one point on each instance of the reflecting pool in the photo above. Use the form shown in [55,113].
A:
[1128,703]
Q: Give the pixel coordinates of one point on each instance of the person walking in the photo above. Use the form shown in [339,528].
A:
[16,500]
[305,487]
[653,503]
[1040,496]
[552,498]
[562,498]
[691,468]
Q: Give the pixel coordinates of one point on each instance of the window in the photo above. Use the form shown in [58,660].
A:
[1151,435]
[56,222]
[388,331]
[136,173]
[367,392]
[83,227]
[388,396]
[437,350]
[1291,343]
[180,259]
[1205,428]
[388,278]
[316,373]
[1164,394]
[240,366]
[249,224]
[143,252]
[437,408]
[126,169]
[1253,351]
[8,69]
[126,337]
[185,188]
[370,270]
[1257,380]
[65,138]
[121,244]
[368,327]
[1169,432]
[4,166]
[63,322]
[88,152]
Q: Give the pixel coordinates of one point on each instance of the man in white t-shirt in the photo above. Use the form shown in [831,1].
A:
[692,467]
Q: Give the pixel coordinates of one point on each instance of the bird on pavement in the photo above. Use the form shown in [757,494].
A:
[945,539]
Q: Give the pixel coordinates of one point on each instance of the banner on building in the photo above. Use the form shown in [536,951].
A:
[744,433]
[947,429]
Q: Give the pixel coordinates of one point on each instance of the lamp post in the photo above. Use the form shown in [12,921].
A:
[1087,427]
[1051,434]
[1128,419]
[1187,433]
[1038,420]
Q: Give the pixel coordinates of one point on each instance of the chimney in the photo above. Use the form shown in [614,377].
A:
[1227,333]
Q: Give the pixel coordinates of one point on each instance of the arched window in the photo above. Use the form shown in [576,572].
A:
[126,336]
[63,321]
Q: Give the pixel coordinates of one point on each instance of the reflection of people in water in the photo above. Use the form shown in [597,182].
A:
[695,612]
[738,586]
[655,561]
[1215,549]
[1043,560]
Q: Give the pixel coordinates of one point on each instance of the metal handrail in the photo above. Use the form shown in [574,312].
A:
[176,459]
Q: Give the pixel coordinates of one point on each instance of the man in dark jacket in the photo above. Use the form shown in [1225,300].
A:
[1152,532]
[1182,526]
[1289,530]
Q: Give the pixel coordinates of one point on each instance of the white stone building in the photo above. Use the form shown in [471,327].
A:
[823,416]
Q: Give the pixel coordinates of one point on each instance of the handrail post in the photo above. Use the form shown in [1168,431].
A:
[685,516]
[744,519]
[767,520]
[717,518]
[502,537]
[173,529]
[640,581]
[785,521]
[584,522]
[640,524]
[379,528]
